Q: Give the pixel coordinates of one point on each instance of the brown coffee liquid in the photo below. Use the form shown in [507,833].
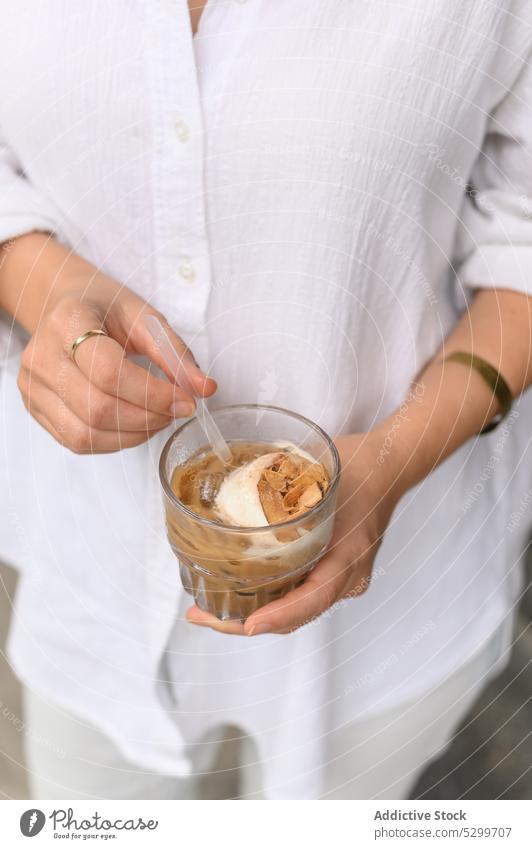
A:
[196,483]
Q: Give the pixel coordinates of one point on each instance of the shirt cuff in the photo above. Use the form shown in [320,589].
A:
[498,267]
[22,211]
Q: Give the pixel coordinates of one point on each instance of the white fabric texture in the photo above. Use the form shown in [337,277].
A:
[288,188]
[380,758]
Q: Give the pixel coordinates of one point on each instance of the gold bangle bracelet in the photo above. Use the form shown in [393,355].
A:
[494,380]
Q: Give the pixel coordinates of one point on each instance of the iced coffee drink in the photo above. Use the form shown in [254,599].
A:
[248,531]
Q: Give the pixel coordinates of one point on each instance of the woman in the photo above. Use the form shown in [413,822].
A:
[325,204]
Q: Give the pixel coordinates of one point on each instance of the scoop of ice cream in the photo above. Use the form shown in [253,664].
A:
[238,502]
[271,489]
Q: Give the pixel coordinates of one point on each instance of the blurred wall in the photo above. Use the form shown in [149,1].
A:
[12,774]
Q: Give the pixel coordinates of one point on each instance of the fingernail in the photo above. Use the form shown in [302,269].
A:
[204,376]
[260,628]
[182,409]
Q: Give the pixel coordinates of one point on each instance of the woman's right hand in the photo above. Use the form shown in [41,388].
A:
[102,402]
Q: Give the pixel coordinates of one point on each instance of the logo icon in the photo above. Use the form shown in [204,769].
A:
[32,822]
[268,389]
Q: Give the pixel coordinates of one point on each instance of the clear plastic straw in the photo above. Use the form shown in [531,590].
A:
[176,367]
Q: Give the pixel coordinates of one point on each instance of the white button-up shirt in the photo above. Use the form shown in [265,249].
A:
[307,190]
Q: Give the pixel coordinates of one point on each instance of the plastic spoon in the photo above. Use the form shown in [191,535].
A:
[175,365]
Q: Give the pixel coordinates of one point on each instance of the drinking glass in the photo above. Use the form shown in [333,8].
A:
[232,571]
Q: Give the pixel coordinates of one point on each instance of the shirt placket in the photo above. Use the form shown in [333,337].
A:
[181,262]
[181,259]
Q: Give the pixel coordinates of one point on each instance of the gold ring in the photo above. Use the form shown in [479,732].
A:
[75,345]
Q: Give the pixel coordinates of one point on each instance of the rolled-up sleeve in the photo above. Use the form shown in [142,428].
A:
[23,209]
[494,244]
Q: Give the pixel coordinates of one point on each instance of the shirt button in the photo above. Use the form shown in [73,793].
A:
[182,131]
[187,271]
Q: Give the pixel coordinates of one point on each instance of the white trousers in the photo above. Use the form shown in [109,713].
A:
[380,758]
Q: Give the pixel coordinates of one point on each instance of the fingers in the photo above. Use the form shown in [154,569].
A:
[103,362]
[333,579]
[200,383]
[324,585]
[71,432]
[321,589]
[91,405]
[103,402]
[139,339]
[207,620]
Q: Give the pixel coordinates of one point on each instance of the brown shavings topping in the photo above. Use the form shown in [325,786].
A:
[290,486]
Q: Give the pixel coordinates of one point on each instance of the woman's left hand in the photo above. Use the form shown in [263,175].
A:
[368,492]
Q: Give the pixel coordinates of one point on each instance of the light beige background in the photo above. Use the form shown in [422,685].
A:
[12,775]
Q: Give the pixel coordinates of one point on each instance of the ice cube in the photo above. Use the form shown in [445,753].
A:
[208,485]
